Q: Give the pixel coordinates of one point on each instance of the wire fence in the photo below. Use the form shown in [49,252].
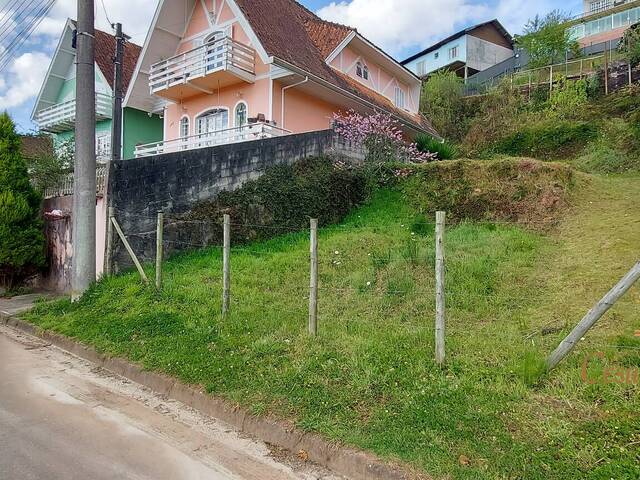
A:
[398,270]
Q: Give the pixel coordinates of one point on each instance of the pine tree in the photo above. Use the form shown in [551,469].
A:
[21,228]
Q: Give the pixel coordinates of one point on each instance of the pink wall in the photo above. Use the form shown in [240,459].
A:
[302,111]
[59,236]
[380,80]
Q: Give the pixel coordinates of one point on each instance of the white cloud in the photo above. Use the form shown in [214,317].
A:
[398,25]
[23,79]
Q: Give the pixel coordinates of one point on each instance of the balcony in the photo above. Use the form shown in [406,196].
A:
[203,70]
[61,117]
[246,133]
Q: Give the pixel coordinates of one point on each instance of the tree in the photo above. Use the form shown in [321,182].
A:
[630,44]
[381,136]
[547,39]
[443,103]
[21,233]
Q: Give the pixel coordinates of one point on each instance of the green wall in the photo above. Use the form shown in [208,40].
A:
[139,128]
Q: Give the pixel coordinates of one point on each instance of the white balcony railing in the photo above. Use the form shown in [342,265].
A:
[62,116]
[222,55]
[246,133]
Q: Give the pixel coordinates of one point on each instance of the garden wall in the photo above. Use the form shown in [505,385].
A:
[175,182]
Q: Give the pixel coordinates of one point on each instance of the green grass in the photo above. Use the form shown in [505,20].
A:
[369,378]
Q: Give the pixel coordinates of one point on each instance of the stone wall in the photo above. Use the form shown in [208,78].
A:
[175,182]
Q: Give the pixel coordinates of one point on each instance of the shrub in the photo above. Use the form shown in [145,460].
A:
[547,139]
[604,159]
[444,150]
[568,98]
[523,191]
[442,102]
[380,134]
[286,196]
[21,236]
[630,44]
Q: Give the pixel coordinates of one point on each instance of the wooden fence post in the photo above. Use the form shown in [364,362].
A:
[593,316]
[130,250]
[440,299]
[313,280]
[226,268]
[109,247]
[159,249]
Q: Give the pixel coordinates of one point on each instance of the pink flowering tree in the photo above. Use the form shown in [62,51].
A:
[380,134]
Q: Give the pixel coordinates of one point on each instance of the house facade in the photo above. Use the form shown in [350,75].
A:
[223,71]
[54,109]
[466,52]
[604,21]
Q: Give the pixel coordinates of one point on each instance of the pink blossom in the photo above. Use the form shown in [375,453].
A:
[380,133]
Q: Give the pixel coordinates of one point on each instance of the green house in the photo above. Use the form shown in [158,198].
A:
[54,109]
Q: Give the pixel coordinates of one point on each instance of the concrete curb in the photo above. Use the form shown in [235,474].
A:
[352,463]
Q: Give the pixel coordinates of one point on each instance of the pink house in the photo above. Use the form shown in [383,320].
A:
[223,71]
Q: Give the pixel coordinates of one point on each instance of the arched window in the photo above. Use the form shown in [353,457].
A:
[365,72]
[359,69]
[184,127]
[240,115]
[212,121]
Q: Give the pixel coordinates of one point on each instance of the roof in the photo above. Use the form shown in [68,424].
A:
[105,50]
[292,33]
[495,23]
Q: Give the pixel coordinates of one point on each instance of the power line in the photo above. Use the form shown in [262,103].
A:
[106,14]
[8,14]
[25,33]
[22,15]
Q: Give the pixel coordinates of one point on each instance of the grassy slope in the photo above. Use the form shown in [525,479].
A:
[369,379]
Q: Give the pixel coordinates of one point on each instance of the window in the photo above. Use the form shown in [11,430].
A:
[184,127]
[453,52]
[421,68]
[212,121]
[359,69]
[399,100]
[598,5]
[103,146]
[365,72]
[240,117]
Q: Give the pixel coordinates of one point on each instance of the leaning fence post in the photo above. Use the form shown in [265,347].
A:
[440,300]
[130,250]
[313,280]
[593,316]
[109,248]
[159,249]
[226,248]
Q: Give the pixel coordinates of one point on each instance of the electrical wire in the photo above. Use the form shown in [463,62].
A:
[25,33]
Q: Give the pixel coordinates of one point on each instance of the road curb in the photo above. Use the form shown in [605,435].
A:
[352,463]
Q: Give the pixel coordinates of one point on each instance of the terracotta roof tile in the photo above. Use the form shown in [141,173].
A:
[106,50]
[294,34]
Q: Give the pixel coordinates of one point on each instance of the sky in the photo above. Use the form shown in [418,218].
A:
[400,27]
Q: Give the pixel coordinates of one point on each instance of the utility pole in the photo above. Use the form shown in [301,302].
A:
[116,122]
[84,172]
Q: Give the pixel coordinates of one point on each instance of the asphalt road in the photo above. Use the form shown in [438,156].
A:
[64,418]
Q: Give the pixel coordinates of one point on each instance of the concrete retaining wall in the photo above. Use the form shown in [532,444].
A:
[175,182]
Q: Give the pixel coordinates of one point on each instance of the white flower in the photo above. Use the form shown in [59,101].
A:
[368,284]
[337,252]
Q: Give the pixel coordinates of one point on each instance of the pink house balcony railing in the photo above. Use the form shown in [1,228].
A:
[245,133]
[202,70]
[62,116]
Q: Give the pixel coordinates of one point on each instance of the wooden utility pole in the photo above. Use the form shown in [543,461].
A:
[83,264]
[109,248]
[226,268]
[593,316]
[440,299]
[116,122]
[313,278]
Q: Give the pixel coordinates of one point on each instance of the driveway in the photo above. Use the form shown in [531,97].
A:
[63,418]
